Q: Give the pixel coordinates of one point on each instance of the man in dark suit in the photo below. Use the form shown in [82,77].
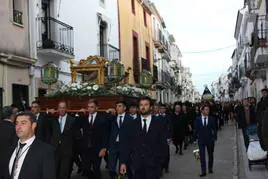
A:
[30,158]
[7,134]
[43,129]
[62,138]
[120,126]
[95,128]
[206,133]
[167,124]
[133,110]
[146,148]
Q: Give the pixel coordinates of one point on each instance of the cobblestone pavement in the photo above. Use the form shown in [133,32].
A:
[186,167]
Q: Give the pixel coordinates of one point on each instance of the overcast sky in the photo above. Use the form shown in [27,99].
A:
[200,26]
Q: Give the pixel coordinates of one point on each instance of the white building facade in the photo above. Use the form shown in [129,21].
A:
[251,54]
[65,30]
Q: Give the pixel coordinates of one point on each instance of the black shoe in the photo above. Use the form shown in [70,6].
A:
[181,153]
[177,150]
[210,171]
[203,175]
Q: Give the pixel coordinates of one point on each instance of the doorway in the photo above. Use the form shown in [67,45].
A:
[20,96]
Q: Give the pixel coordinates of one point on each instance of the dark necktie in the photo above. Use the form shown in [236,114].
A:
[144,129]
[120,121]
[91,121]
[16,158]
[205,121]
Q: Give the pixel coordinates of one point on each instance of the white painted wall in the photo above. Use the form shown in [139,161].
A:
[82,16]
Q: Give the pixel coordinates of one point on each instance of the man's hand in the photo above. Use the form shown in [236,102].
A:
[102,153]
[111,111]
[51,111]
[123,169]
[83,110]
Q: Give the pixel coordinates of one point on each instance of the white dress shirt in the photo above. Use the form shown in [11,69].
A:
[90,117]
[148,121]
[37,116]
[134,116]
[62,121]
[203,120]
[21,157]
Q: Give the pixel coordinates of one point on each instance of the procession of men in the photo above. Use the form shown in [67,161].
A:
[131,140]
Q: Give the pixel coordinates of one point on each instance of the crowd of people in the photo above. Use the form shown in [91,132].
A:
[132,139]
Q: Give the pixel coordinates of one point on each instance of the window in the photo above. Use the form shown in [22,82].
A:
[148,57]
[133,6]
[145,17]
[136,63]
[17,11]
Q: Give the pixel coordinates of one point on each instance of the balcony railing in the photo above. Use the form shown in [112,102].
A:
[166,78]
[54,34]
[108,51]
[17,16]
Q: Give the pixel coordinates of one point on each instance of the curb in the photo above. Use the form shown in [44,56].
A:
[235,150]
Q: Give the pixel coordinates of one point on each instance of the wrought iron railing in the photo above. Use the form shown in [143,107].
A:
[109,51]
[17,16]
[54,34]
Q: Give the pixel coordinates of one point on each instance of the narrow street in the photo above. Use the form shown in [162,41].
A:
[186,167]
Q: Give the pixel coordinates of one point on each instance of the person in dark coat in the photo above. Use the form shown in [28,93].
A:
[168,127]
[62,138]
[262,115]
[43,129]
[146,148]
[121,126]
[206,132]
[95,137]
[7,134]
[29,157]
[179,124]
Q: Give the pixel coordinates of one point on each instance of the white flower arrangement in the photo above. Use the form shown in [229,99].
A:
[92,89]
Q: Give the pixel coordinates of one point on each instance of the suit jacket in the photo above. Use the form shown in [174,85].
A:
[207,133]
[168,126]
[44,128]
[97,136]
[38,163]
[63,142]
[123,132]
[148,150]
[7,138]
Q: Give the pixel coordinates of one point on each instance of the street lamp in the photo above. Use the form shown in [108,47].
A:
[49,73]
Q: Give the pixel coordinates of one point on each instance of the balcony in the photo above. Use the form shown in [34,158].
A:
[55,39]
[160,43]
[17,17]
[108,51]
[259,46]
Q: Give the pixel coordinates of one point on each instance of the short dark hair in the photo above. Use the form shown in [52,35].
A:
[37,102]
[134,105]
[31,116]
[264,89]
[121,102]
[146,98]
[6,112]
[204,106]
[94,101]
